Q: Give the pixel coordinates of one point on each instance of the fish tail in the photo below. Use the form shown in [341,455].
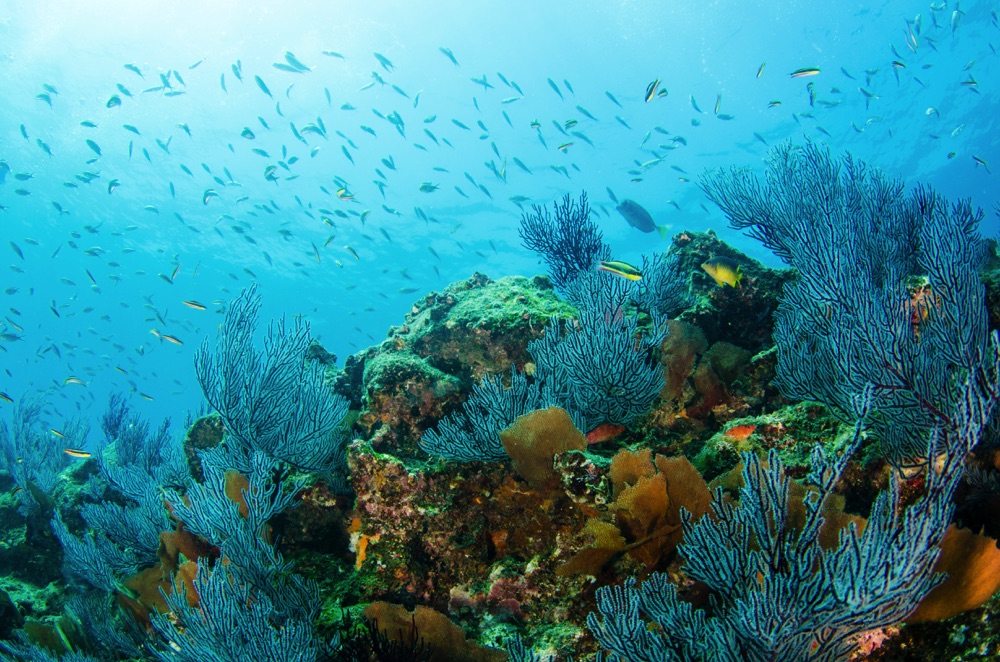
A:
[664,231]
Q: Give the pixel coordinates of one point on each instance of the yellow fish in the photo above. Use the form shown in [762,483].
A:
[623,269]
[724,271]
[804,72]
[651,90]
[73,452]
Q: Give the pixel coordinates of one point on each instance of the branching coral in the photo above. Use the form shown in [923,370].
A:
[271,401]
[850,318]
[569,244]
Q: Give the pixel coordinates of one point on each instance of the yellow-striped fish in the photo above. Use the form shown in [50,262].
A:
[172,339]
[195,305]
[651,90]
[803,72]
[5,397]
[619,268]
[75,452]
[57,433]
[74,380]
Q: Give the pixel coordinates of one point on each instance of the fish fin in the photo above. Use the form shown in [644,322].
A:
[739,276]
[664,231]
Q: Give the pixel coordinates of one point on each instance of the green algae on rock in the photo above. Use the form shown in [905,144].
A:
[449,341]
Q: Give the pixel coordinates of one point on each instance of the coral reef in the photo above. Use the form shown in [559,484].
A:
[448,342]
[442,559]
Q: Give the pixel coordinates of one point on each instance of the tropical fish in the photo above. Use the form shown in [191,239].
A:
[639,218]
[739,432]
[262,86]
[114,101]
[448,54]
[555,88]
[385,62]
[295,63]
[604,432]
[619,268]
[805,71]
[651,90]
[724,271]
[760,69]
[583,111]
[75,452]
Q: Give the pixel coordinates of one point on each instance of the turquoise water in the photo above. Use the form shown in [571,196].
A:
[98,278]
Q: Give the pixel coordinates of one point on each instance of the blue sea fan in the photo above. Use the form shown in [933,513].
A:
[778,593]
[599,366]
[207,511]
[272,401]
[888,291]
[472,433]
[31,457]
[569,244]
[232,622]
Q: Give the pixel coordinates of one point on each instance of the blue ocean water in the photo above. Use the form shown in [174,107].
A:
[115,214]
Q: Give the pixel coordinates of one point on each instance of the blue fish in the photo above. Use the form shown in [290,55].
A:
[262,86]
